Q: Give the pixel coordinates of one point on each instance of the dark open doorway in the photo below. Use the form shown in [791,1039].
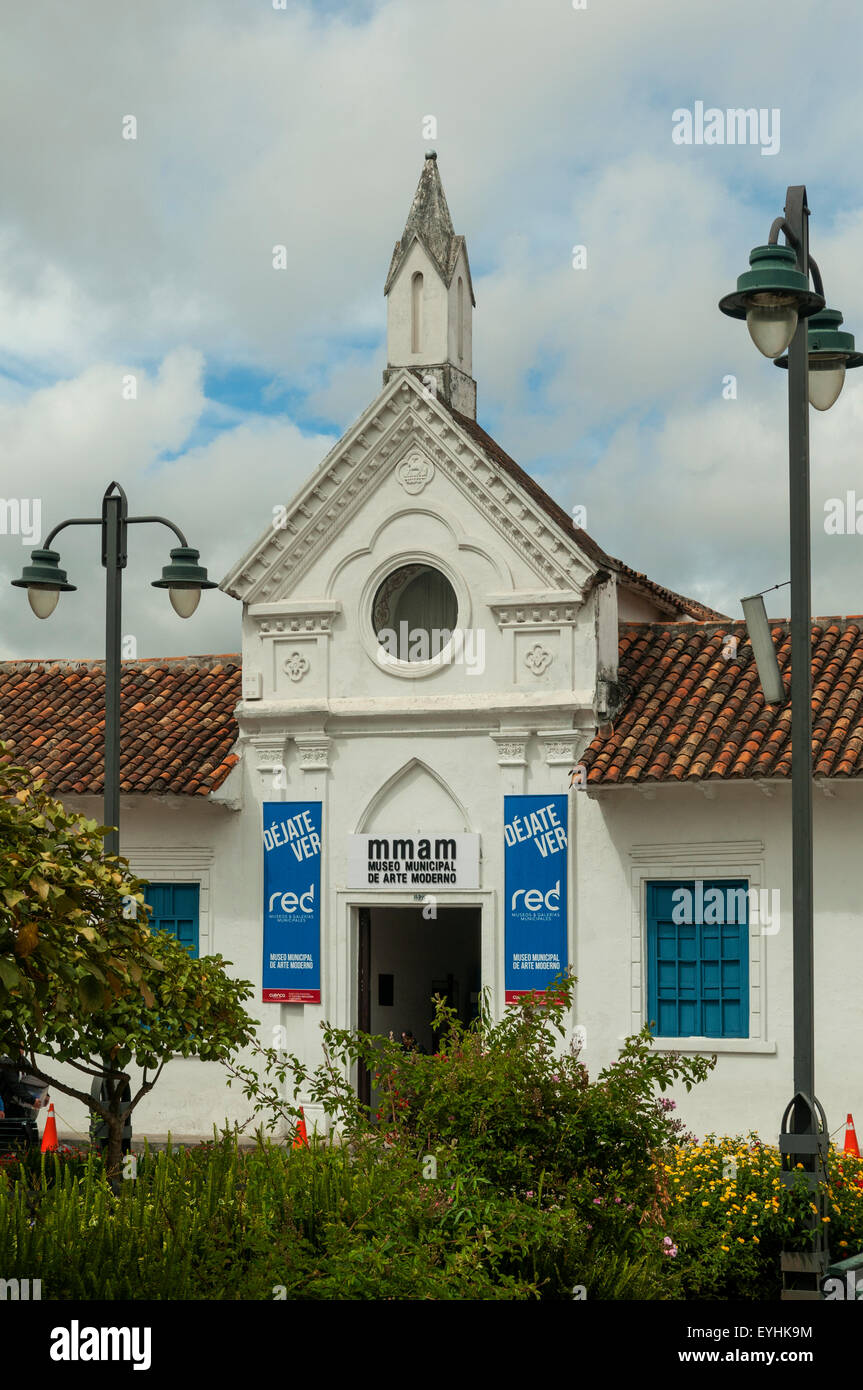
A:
[405,959]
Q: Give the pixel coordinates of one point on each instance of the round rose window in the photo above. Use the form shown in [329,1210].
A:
[414,612]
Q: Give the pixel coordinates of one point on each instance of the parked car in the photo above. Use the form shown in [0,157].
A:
[21,1096]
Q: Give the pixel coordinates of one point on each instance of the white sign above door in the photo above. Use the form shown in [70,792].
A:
[420,860]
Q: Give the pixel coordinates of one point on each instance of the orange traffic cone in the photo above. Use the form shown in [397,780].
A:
[851,1145]
[301,1139]
[49,1134]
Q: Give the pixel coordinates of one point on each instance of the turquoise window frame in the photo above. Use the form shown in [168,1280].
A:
[697,973]
[176,908]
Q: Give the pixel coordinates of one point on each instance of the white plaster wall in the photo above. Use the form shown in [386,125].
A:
[635,608]
[465,362]
[747,1090]
[444,778]
[434,313]
[693,836]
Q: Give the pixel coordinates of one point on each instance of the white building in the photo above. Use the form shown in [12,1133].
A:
[397,746]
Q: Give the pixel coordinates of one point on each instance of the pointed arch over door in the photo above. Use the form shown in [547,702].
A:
[407,781]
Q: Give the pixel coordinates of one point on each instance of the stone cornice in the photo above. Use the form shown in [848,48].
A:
[289,619]
[269,721]
[536,610]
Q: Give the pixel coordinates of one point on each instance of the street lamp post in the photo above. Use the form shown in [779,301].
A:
[783,312]
[44,581]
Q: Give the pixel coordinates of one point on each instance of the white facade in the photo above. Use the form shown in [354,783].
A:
[415,746]
[619,840]
[434,746]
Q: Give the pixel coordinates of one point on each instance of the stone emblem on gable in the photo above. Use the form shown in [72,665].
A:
[415,472]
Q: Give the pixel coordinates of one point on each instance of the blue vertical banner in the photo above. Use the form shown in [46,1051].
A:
[535,884]
[292,902]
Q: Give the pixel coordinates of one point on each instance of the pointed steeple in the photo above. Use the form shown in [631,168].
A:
[430,297]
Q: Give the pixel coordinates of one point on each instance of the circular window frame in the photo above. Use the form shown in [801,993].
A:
[393,665]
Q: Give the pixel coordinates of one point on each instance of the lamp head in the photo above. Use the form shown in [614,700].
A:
[831,354]
[44,581]
[184,579]
[772,296]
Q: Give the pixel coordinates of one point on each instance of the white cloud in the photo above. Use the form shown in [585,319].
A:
[66,443]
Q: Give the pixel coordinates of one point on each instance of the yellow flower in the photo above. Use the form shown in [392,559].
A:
[843,1244]
[705,1204]
[740,1240]
[726,1248]
[756,1241]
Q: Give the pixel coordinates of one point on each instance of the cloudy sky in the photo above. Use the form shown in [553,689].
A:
[303,126]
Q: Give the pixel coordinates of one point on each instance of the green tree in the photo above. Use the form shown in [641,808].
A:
[83,980]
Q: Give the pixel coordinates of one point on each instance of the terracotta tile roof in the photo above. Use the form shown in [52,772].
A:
[691,714]
[690,606]
[177,722]
[673,603]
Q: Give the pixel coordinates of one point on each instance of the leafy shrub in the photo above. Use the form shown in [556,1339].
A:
[503,1109]
[504,1100]
[498,1097]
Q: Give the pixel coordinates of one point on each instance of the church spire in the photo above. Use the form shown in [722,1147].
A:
[430,297]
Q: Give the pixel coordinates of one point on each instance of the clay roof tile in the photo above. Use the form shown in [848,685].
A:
[53,717]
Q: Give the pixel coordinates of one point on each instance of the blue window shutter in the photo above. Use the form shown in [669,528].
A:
[176,909]
[698,972]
